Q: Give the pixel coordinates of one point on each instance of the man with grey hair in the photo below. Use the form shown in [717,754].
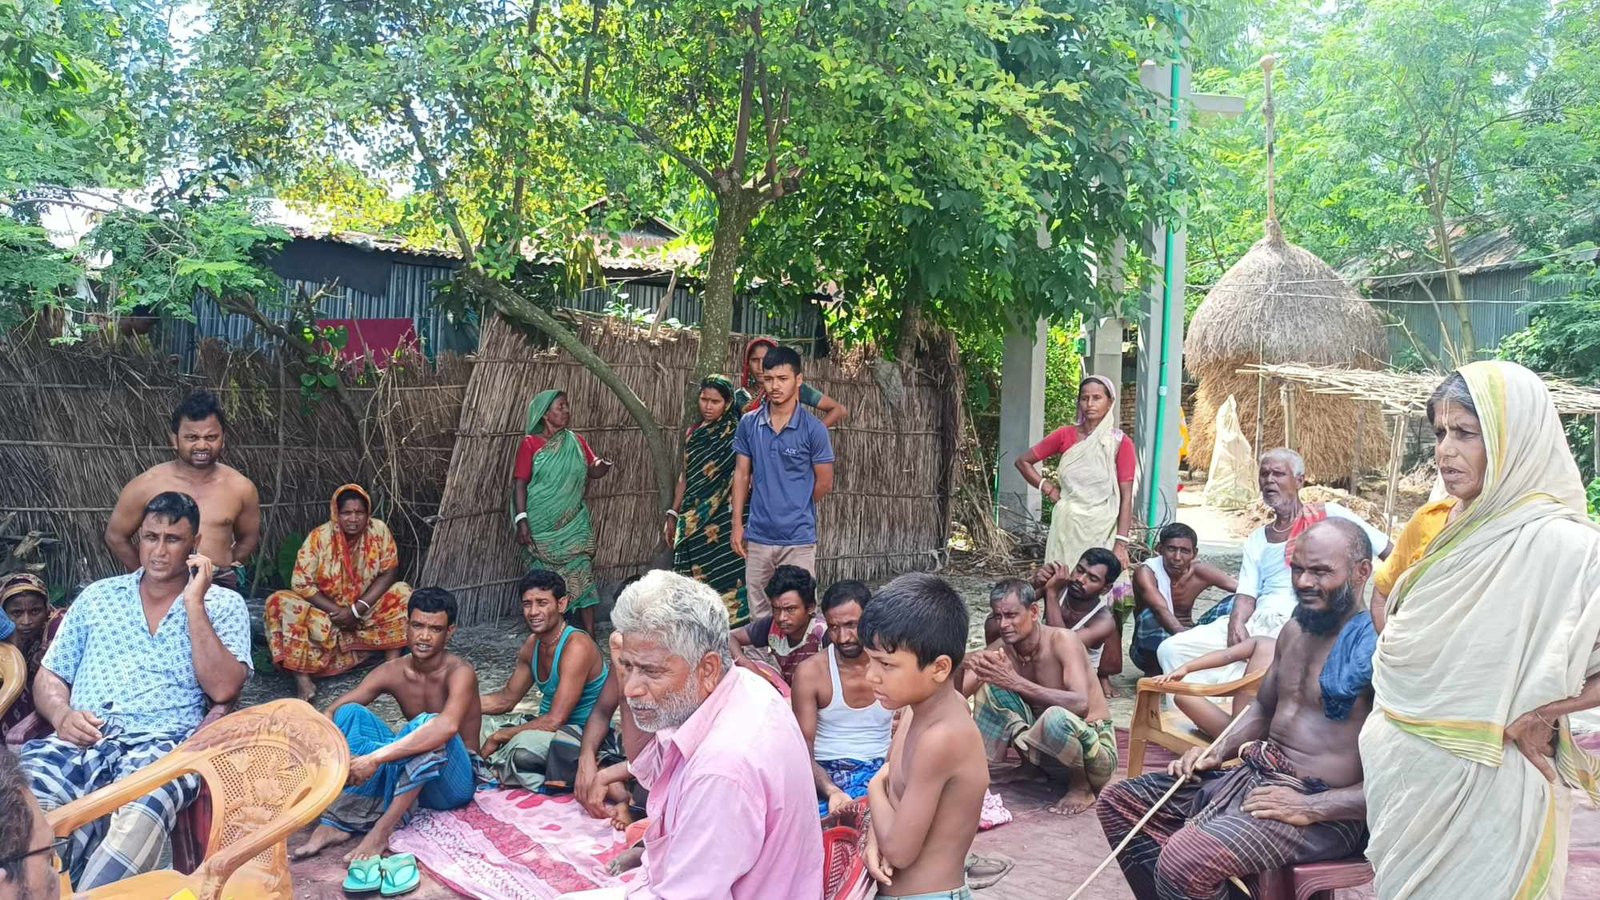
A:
[1265,599]
[732,808]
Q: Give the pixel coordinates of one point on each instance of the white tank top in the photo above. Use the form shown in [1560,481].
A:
[1094,652]
[844,732]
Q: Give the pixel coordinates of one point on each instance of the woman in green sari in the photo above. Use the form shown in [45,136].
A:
[553,466]
[701,518]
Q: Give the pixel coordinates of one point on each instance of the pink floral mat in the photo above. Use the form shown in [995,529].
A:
[515,844]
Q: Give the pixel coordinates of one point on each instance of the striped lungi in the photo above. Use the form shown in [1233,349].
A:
[1057,740]
[1201,838]
[132,839]
[445,778]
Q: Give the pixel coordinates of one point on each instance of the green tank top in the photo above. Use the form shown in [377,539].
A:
[547,689]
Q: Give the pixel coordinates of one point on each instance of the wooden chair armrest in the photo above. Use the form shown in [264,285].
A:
[13,675]
[80,812]
[1201,690]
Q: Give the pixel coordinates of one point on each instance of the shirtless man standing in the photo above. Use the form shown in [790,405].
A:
[1037,692]
[230,510]
[1297,798]
[430,762]
[1165,587]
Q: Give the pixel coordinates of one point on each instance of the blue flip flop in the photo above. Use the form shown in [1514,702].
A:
[364,876]
[400,875]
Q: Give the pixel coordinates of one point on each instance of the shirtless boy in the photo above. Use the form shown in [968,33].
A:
[1297,797]
[1037,693]
[927,798]
[1165,587]
[430,762]
[230,511]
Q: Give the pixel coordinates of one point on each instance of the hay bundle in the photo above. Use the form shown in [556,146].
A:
[1281,304]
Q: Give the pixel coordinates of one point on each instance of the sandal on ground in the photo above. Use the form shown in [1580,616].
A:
[363,876]
[400,875]
[986,871]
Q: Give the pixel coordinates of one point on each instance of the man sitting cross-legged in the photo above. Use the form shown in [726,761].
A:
[1297,798]
[1037,692]
[430,762]
[567,666]
[128,678]
[789,636]
[846,727]
[1165,587]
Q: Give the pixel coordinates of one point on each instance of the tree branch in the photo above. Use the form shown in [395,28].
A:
[741,132]
[436,180]
[650,138]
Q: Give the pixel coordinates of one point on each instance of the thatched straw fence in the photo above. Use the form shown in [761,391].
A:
[1281,304]
[888,514]
[77,423]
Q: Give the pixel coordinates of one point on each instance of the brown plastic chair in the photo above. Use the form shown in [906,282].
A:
[271,770]
[13,676]
[1169,728]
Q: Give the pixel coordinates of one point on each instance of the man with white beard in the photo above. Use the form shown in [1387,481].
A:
[732,808]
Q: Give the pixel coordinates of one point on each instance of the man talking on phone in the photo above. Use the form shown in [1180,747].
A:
[137,661]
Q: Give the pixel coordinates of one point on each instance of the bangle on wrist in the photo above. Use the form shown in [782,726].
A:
[672,514]
[1123,538]
[518,517]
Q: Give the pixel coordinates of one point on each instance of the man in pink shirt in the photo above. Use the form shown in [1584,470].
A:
[732,807]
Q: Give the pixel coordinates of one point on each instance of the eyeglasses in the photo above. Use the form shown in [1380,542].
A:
[57,848]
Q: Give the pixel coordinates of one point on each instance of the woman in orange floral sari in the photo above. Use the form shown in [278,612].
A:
[346,598]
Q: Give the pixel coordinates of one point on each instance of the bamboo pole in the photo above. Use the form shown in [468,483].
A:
[1397,447]
[1287,399]
[1261,409]
[1133,832]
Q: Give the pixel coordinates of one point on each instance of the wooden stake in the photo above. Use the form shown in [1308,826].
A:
[1287,399]
[1152,811]
[1397,448]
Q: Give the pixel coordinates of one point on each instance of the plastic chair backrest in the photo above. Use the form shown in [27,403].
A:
[278,762]
[13,675]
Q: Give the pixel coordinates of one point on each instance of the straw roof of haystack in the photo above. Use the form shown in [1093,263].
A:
[1282,304]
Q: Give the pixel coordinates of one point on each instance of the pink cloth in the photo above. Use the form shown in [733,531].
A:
[515,845]
[994,812]
[733,809]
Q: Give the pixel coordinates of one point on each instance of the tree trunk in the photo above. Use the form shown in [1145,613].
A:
[1466,346]
[736,209]
[525,312]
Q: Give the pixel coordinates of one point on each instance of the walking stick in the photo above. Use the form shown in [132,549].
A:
[1152,811]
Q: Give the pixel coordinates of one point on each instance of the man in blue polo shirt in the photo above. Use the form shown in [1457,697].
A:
[783,465]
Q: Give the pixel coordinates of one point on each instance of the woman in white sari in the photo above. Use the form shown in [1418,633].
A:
[1093,493]
[1492,641]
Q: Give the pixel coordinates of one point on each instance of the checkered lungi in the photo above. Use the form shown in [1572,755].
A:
[1057,741]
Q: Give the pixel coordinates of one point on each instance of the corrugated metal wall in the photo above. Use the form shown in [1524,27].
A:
[413,290]
[1499,307]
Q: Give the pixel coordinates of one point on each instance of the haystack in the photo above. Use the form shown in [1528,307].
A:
[1280,303]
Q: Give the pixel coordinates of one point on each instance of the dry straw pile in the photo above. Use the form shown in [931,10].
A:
[888,514]
[77,423]
[1280,304]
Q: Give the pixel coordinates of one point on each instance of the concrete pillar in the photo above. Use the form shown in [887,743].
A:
[1102,354]
[1159,476]
[1021,420]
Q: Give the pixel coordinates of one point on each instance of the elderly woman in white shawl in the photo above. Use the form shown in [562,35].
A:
[1093,493]
[1490,644]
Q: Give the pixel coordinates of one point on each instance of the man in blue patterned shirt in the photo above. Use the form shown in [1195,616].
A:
[129,676]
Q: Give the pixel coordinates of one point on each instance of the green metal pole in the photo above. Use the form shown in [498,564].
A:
[1153,503]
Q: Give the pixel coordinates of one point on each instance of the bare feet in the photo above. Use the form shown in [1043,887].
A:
[322,838]
[1025,771]
[376,843]
[1075,801]
[304,687]
[1106,688]
[628,860]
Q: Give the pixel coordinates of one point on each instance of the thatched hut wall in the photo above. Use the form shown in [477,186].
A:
[1281,304]
[888,512]
[77,423]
